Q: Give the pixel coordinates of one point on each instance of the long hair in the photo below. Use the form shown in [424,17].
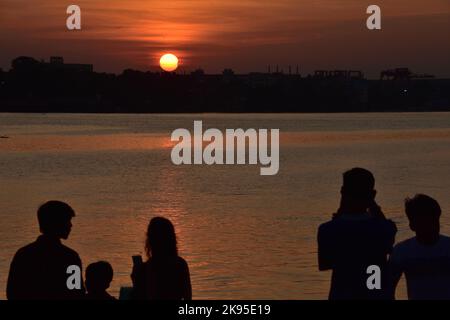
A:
[161,238]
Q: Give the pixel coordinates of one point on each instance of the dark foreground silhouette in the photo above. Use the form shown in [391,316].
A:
[165,275]
[39,270]
[425,258]
[357,237]
[98,278]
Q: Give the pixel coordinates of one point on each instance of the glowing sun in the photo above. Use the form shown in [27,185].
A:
[168,62]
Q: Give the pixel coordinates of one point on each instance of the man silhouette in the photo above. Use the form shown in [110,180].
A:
[357,237]
[39,270]
[425,258]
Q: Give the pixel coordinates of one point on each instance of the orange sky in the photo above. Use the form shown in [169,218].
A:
[245,35]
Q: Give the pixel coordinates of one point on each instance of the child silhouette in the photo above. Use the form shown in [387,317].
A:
[98,278]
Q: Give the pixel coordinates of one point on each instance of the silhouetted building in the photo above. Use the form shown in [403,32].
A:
[58,63]
[22,64]
[56,86]
[198,73]
[339,74]
[402,74]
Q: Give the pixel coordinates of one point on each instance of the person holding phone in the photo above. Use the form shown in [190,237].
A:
[165,275]
[358,236]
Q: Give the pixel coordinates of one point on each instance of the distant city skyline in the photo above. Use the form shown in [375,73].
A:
[58,62]
[245,35]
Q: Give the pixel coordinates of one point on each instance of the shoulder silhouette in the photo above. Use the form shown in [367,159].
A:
[98,278]
[165,275]
[39,270]
[425,258]
[357,237]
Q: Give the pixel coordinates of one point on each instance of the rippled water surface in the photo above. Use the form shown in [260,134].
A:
[243,235]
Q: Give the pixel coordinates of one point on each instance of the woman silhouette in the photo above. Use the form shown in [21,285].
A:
[165,275]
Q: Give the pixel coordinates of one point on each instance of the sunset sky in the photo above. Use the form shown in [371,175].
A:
[246,35]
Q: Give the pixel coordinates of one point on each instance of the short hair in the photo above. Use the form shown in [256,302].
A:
[52,213]
[99,274]
[422,205]
[358,182]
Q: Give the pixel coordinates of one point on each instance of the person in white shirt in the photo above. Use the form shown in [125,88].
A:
[425,258]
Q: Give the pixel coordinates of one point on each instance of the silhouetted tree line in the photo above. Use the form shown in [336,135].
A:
[34,86]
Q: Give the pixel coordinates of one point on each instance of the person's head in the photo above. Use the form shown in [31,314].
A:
[98,276]
[358,188]
[55,219]
[423,213]
[161,238]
